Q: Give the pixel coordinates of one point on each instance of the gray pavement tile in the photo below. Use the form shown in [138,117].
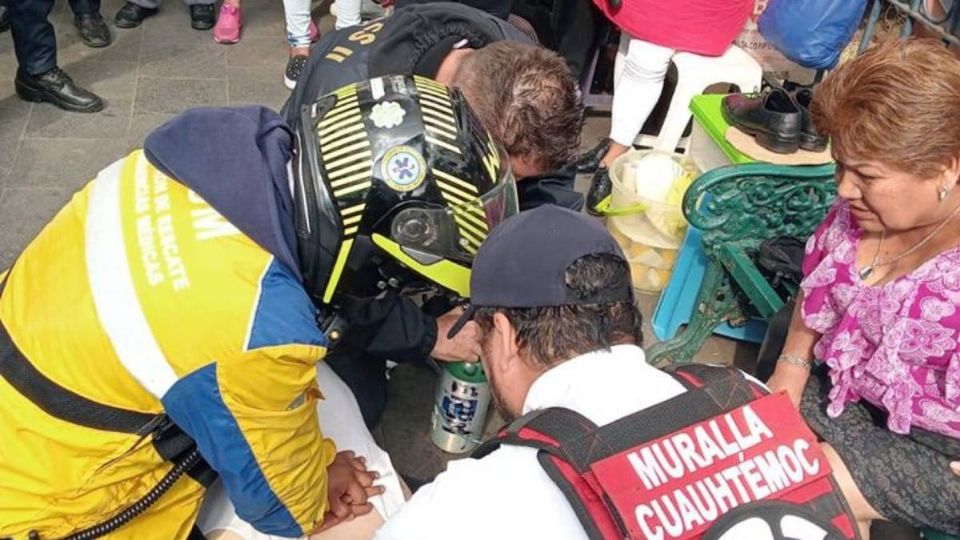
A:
[23,212]
[259,52]
[172,96]
[125,47]
[185,55]
[62,163]
[141,125]
[257,86]
[109,80]
[12,122]
[111,123]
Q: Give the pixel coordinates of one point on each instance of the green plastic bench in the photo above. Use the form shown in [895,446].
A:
[737,208]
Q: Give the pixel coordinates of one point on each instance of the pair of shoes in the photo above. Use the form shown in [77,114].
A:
[93,30]
[202,16]
[779,120]
[295,67]
[4,18]
[589,161]
[229,21]
[810,137]
[56,87]
[600,188]
[132,15]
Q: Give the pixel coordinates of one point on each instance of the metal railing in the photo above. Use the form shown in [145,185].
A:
[946,26]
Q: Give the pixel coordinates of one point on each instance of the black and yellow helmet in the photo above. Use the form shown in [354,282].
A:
[395,170]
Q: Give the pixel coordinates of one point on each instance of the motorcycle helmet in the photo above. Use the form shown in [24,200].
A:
[395,174]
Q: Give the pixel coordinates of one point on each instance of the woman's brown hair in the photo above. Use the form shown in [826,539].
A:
[897,103]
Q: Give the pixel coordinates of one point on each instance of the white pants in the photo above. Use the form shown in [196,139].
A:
[348,13]
[297,14]
[638,77]
[340,420]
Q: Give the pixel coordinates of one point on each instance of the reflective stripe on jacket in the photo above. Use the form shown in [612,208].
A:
[140,295]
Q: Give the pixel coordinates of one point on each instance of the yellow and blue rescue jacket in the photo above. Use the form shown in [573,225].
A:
[143,294]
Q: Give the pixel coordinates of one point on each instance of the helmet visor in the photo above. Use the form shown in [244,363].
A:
[456,231]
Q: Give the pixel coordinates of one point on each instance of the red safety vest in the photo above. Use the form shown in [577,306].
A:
[725,460]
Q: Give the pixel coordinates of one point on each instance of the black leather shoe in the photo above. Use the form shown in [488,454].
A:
[810,138]
[202,16]
[93,31]
[772,117]
[56,87]
[131,15]
[590,160]
[600,188]
[4,17]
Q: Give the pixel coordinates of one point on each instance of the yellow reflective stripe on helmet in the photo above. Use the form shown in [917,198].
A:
[468,232]
[362,145]
[363,176]
[366,154]
[337,270]
[442,144]
[352,220]
[338,114]
[438,115]
[471,216]
[447,273]
[326,138]
[340,142]
[342,172]
[355,119]
[437,103]
[458,182]
[351,189]
[355,209]
[442,132]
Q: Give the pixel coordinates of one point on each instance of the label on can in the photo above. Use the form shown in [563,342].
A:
[463,396]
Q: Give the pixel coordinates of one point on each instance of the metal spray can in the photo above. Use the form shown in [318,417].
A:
[463,396]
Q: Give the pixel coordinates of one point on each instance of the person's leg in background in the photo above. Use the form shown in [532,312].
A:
[229,22]
[639,72]
[4,16]
[38,77]
[86,17]
[202,14]
[132,14]
[348,13]
[297,14]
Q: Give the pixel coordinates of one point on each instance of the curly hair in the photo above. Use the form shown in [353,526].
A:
[897,103]
[528,99]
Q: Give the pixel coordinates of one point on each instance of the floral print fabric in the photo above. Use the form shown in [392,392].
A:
[894,345]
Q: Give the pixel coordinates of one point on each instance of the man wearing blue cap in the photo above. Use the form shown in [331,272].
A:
[551,294]
[583,455]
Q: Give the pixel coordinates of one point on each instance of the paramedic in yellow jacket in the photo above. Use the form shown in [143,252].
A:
[182,296]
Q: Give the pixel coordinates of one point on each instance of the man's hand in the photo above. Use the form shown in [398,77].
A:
[465,346]
[955,467]
[349,485]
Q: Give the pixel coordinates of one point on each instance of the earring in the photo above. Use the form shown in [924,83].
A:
[942,194]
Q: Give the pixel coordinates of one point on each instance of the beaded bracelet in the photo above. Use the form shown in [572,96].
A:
[795,361]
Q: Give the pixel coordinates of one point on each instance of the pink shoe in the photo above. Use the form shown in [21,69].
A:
[227,29]
[314,32]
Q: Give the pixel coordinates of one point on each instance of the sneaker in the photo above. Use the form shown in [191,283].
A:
[295,67]
[314,32]
[227,29]
[202,16]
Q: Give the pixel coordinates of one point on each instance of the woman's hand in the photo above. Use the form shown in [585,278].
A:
[791,379]
[955,467]
[349,485]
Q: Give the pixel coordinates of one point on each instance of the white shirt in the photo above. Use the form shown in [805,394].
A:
[507,494]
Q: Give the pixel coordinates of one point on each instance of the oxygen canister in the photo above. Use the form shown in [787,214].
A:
[463,396]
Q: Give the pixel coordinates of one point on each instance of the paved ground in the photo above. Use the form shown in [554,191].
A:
[148,75]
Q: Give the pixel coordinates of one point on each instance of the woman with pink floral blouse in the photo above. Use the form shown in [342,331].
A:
[879,308]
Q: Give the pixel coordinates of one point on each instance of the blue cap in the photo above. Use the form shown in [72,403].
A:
[523,262]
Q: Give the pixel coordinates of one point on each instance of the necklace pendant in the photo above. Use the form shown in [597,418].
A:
[866,272]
